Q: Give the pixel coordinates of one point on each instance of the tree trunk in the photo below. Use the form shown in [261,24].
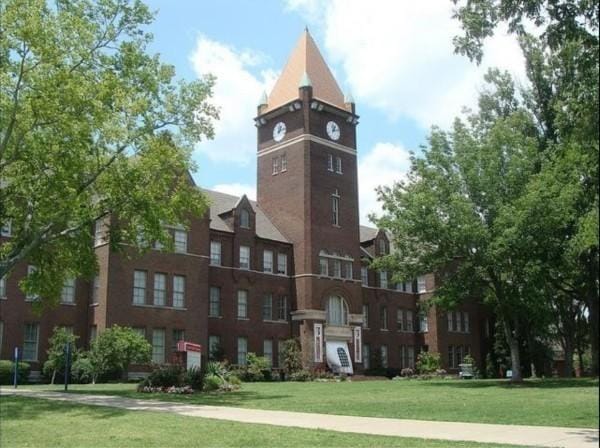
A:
[515,355]
[593,308]
[568,349]
[53,376]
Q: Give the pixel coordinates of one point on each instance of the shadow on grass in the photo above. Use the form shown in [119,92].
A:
[550,383]
[28,408]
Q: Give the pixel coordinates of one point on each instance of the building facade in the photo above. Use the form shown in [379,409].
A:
[252,274]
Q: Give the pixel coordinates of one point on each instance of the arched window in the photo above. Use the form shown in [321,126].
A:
[337,311]
[244,219]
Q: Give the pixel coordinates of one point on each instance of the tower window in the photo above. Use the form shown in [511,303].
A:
[245,219]
[329,162]
[276,165]
[283,162]
[338,165]
[335,208]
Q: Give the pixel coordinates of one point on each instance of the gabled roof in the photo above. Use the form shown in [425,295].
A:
[221,203]
[367,233]
[306,63]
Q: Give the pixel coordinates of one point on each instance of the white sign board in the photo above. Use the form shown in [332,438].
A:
[193,359]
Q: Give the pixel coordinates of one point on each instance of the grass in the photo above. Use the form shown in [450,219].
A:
[550,402]
[31,422]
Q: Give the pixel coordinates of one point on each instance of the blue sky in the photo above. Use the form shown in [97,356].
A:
[395,57]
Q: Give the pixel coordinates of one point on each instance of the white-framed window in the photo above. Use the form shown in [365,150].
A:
[330,162]
[31,342]
[275,162]
[323,266]
[245,219]
[214,303]
[178,291]
[423,323]
[282,264]
[364,275]
[409,321]
[366,356]
[457,321]
[408,287]
[242,350]
[383,280]
[268,261]
[337,268]
[215,253]
[466,327]
[282,308]
[400,319]
[267,308]
[268,350]
[98,232]
[384,356]
[365,313]
[411,356]
[348,269]
[283,162]
[31,297]
[160,289]
[96,289]
[67,295]
[382,247]
[244,257]
[335,208]
[338,165]
[242,304]
[3,287]
[6,228]
[421,284]
[139,287]
[337,311]
[214,344]
[158,345]
[450,321]
[451,356]
[180,241]
[383,316]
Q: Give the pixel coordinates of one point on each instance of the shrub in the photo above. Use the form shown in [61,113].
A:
[256,368]
[194,378]
[82,370]
[301,375]
[212,382]
[7,369]
[490,367]
[407,372]
[56,352]
[292,356]
[166,375]
[428,362]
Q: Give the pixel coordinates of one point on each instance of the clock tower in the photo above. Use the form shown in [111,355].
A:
[308,186]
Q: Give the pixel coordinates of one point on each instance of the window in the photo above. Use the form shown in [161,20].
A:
[400,319]
[466,326]
[95,289]
[409,320]
[364,276]
[215,253]
[180,238]
[411,356]
[160,289]
[382,247]
[244,257]
[214,304]
[245,219]
[268,350]
[329,162]
[67,294]
[242,351]
[337,311]
[421,284]
[178,291]
[423,323]
[93,333]
[178,335]
[450,321]
[335,208]
[458,355]
[275,162]
[323,266]
[407,356]
[338,165]
[31,296]
[408,287]
[383,281]
[337,268]
[366,356]
[348,273]
[139,287]
[457,321]
[383,317]
[365,312]
[343,357]
[282,264]
[267,308]
[98,233]
[158,345]
[282,308]
[6,228]
[3,287]
[268,261]
[214,346]
[30,342]
[140,331]
[451,356]
[242,304]
[384,356]
[283,162]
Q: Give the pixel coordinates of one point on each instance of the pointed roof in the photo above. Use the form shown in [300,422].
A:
[307,62]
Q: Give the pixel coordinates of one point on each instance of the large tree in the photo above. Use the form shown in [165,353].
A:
[91,126]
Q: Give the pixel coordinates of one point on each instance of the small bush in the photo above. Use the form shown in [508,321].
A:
[407,372]
[166,375]
[291,357]
[194,378]
[234,380]
[428,362]
[7,369]
[212,383]
[301,375]
[82,370]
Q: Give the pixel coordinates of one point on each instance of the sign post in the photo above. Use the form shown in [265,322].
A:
[67,362]
[16,372]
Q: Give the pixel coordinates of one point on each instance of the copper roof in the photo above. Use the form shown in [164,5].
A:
[306,59]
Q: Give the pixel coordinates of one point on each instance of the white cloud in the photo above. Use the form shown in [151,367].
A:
[397,56]
[236,92]
[385,164]
[237,189]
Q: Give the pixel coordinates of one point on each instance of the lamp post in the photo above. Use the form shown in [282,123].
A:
[16,372]
[67,362]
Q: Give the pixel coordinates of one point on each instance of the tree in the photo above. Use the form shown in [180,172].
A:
[56,352]
[291,356]
[91,128]
[115,349]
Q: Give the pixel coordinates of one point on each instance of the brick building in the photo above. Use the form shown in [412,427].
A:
[252,274]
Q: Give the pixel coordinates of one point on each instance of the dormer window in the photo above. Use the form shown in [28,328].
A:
[382,247]
[245,219]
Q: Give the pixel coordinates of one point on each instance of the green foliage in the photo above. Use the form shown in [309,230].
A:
[257,368]
[212,382]
[194,377]
[56,352]
[428,362]
[292,356]
[301,376]
[217,353]
[7,371]
[93,127]
[82,369]
[166,375]
[491,369]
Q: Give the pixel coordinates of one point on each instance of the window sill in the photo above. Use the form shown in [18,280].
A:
[94,304]
[275,321]
[68,303]
[215,317]
[242,318]
[384,329]
[160,307]
[4,298]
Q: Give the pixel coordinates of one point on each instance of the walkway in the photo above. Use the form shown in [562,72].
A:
[543,436]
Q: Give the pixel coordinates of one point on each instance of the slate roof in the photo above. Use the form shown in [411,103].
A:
[367,233]
[221,203]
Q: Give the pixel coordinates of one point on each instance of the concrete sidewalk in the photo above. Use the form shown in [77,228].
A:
[543,436]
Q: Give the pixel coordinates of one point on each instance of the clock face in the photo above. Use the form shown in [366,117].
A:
[279,131]
[333,130]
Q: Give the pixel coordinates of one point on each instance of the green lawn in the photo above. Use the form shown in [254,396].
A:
[30,422]
[552,402]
